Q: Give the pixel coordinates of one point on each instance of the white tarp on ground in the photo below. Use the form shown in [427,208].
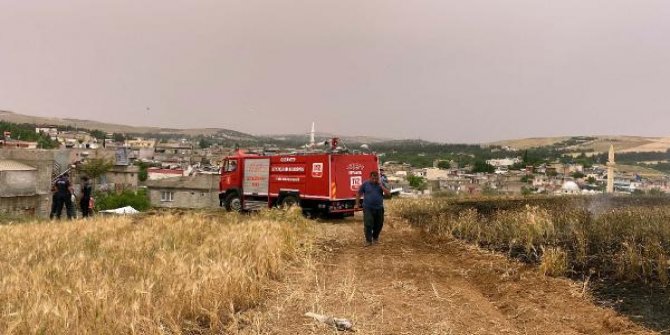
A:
[122,211]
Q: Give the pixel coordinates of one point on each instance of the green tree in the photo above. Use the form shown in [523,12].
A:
[26,132]
[578,175]
[119,137]
[46,143]
[416,182]
[99,134]
[143,175]
[203,143]
[96,167]
[444,164]
[591,180]
[481,166]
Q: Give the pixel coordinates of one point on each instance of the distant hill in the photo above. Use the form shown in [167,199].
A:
[294,139]
[120,128]
[304,138]
[599,144]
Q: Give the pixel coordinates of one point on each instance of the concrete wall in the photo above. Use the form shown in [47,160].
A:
[18,183]
[199,191]
[184,198]
[36,205]
[123,177]
[40,203]
[42,160]
[146,153]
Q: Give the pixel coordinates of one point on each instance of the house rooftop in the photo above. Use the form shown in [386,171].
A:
[10,165]
[205,182]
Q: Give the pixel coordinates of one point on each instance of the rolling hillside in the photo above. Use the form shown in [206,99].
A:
[120,128]
[293,139]
[593,143]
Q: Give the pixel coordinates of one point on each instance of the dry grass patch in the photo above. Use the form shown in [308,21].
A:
[563,235]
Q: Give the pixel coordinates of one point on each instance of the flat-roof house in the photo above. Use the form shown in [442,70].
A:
[199,191]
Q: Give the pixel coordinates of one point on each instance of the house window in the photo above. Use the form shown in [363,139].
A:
[167,196]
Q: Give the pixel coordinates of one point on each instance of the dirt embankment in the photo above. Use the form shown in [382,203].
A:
[407,286]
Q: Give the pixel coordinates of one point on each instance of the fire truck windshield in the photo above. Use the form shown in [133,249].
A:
[230,166]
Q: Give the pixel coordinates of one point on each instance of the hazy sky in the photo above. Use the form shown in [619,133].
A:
[456,71]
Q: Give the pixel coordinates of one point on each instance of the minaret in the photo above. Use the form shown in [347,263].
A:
[311,137]
[610,171]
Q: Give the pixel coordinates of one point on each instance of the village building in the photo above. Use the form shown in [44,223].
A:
[141,143]
[25,182]
[155,173]
[433,174]
[506,162]
[16,144]
[121,177]
[77,139]
[198,191]
[51,131]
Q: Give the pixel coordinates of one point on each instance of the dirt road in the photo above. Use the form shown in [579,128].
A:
[407,286]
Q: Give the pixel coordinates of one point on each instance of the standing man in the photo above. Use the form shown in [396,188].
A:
[373,193]
[63,196]
[84,203]
[54,200]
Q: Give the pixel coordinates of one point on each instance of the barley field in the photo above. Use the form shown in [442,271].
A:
[623,238]
[167,273]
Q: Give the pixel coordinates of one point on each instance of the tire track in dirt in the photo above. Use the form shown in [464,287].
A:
[407,286]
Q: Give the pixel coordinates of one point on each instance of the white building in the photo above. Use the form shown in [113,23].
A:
[435,174]
[503,162]
[570,187]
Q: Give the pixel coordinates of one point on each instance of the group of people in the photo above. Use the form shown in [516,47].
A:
[64,195]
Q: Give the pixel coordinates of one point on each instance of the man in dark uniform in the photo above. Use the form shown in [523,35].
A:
[54,200]
[86,190]
[373,193]
[63,196]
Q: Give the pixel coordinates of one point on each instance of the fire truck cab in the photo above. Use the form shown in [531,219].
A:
[322,184]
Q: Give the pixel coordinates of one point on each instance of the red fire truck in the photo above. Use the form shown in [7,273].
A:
[320,183]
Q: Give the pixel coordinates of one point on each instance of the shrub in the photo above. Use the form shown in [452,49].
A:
[554,262]
[138,200]
[416,182]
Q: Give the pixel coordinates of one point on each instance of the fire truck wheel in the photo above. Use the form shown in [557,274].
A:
[233,202]
[289,201]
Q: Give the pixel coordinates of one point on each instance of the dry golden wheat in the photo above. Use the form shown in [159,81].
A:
[161,274]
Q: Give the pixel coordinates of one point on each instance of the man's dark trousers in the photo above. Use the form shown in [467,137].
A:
[64,199]
[54,204]
[83,204]
[373,221]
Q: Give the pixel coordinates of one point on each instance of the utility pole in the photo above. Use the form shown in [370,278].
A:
[610,170]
